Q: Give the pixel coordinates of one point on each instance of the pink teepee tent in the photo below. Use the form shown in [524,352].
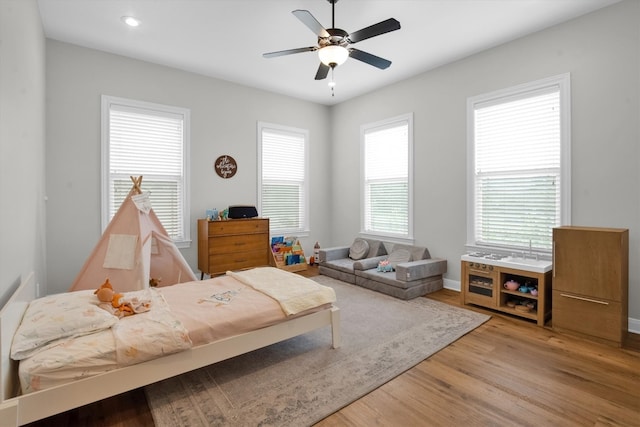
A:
[133,249]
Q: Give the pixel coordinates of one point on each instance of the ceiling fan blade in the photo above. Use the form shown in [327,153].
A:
[307,19]
[323,71]
[374,30]
[289,52]
[368,58]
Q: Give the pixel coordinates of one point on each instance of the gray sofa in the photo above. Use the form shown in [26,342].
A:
[416,273]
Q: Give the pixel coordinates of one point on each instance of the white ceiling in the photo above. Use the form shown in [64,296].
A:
[225,39]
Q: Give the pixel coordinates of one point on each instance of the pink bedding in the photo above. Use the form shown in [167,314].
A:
[221,307]
[208,310]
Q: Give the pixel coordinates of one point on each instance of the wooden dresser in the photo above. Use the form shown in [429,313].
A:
[233,244]
[591,281]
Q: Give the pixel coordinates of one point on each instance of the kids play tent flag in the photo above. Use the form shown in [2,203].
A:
[134,249]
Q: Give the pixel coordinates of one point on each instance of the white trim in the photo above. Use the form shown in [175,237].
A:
[453,285]
[563,83]
[160,109]
[390,122]
[304,231]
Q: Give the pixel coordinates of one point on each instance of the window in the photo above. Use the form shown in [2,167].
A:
[283,184]
[152,140]
[387,172]
[519,177]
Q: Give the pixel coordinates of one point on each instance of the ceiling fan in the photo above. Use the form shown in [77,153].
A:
[333,43]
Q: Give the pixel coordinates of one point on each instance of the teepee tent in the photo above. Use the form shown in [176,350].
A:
[133,249]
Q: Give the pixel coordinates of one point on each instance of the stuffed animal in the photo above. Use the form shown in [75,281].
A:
[106,294]
[384,266]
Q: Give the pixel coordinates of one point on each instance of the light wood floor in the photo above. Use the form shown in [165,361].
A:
[506,372]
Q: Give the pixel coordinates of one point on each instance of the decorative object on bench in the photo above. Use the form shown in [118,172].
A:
[385,267]
[416,273]
[359,249]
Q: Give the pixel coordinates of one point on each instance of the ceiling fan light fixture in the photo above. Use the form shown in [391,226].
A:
[130,21]
[333,55]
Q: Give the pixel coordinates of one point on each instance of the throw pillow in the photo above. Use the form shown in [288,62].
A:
[359,249]
[398,256]
[376,248]
[56,317]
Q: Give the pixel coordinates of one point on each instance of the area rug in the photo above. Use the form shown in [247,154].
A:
[302,380]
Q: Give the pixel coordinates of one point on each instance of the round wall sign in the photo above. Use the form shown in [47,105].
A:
[225,166]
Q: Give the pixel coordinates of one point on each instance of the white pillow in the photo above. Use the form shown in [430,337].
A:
[398,256]
[56,317]
[359,249]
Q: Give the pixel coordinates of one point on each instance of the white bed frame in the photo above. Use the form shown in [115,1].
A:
[21,409]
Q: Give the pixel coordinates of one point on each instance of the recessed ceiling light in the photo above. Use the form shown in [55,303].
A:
[130,21]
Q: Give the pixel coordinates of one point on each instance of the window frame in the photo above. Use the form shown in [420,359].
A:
[107,101]
[385,124]
[563,84]
[304,230]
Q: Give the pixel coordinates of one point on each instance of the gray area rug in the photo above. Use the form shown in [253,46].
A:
[302,380]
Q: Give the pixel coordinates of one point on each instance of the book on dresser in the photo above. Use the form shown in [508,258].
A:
[233,244]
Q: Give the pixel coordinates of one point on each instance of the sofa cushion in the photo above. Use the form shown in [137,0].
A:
[359,249]
[376,248]
[417,252]
[397,256]
[417,288]
[373,276]
[344,264]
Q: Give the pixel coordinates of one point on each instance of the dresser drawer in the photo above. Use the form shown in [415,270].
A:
[239,226]
[238,260]
[240,243]
[587,315]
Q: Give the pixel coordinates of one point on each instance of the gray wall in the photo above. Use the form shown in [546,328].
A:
[600,50]
[224,120]
[22,128]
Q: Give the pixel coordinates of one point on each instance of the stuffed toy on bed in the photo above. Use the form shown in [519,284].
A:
[120,304]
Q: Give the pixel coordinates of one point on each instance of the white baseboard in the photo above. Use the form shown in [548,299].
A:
[454,285]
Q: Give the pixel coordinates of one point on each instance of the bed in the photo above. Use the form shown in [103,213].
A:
[17,408]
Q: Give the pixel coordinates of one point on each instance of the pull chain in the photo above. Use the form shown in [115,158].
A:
[332,83]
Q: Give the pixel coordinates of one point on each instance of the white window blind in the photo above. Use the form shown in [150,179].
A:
[517,168]
[149,140]
[386,170]
[283,178]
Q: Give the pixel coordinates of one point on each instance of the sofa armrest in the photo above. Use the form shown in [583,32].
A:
[369,263]
[332,254]
[415,270]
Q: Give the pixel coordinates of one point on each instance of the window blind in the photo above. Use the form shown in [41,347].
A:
[517,168]
[150,143]
[283,195]
[386,179]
